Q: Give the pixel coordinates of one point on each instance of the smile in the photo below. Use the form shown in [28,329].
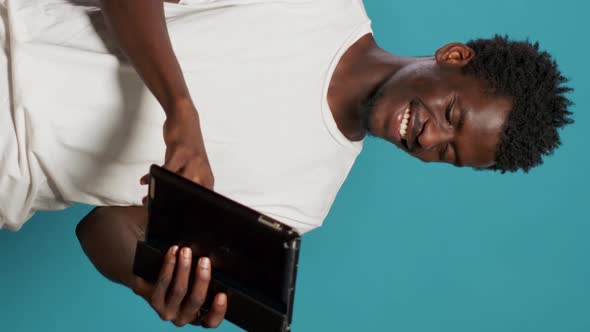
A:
[403,127]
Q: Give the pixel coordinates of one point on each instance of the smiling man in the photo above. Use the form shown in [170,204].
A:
[264,101]
[489,104]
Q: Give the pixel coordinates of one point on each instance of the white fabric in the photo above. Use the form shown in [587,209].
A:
[78,125]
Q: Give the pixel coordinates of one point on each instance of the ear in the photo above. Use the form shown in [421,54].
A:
[454,54]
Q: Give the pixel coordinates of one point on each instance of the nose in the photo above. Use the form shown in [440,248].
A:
[433,136]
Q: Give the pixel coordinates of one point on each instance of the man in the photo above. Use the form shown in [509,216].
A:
[281,108]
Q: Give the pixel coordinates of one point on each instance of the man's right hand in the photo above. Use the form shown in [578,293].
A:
[169,297]
[185,148]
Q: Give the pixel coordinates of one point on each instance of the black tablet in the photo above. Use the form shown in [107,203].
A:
[254,257]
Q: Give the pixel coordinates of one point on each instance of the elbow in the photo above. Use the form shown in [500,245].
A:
[81,229]
[84,227]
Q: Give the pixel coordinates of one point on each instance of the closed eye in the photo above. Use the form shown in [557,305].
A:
[447,153]
[450,110]
[443,152]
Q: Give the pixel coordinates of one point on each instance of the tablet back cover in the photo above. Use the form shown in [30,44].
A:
[254,257]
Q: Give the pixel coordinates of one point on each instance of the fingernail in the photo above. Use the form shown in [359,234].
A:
[222,299]
[186,252]
[205,263]
[173,250]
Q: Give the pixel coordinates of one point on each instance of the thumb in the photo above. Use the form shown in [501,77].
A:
[144,179]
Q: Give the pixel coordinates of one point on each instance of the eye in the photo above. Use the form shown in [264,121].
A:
[443,152]
[447,153]
[449,111]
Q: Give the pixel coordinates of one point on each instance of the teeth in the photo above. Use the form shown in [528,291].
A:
[403,128]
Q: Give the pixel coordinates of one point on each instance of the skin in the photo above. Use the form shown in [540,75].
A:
[454,118]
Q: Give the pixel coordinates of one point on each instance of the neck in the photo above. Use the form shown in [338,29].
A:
[363,68]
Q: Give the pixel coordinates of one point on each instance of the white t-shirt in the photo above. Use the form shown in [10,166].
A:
[82,126]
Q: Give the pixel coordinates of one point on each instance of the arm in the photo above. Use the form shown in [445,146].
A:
[108,236]
[139,27]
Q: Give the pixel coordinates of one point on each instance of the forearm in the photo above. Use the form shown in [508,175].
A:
[139,27]
[108,236]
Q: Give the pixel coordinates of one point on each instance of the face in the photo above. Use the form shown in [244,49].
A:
[433,111]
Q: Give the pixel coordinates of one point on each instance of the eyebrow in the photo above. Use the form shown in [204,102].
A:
[458,161]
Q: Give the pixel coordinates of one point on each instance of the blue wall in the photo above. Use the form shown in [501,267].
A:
[382,262]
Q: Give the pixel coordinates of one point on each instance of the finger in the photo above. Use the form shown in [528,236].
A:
[191,171]
[195,300]
[144,200]
[144,179]
[158,298]
[198,171]
[178,291]
[217,312]
[174,163]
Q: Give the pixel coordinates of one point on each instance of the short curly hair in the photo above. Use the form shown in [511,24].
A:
[518,70]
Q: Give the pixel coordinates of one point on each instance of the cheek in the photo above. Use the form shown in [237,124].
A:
[390,101]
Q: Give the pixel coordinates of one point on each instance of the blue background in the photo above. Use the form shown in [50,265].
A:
[407,246]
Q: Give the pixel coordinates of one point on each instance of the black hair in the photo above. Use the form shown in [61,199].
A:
[531,79]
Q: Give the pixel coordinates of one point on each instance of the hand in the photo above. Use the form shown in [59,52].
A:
[169,296]
[185,149]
